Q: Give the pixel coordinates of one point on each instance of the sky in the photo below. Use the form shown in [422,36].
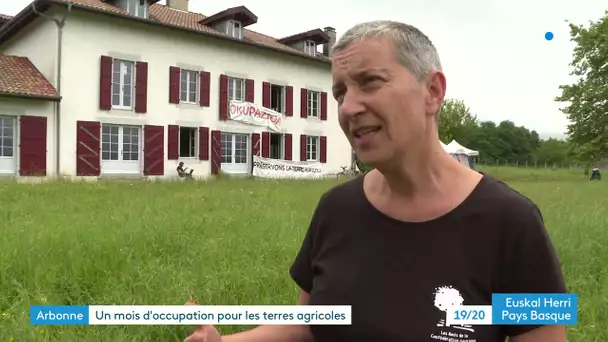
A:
[494,52]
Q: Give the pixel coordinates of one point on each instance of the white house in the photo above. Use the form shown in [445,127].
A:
[27,103]
[142,86]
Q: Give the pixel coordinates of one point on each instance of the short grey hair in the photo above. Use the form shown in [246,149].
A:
[415,51]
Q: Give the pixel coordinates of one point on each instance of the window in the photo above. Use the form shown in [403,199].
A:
[188,86]
[314,99]
[120,143]
[7,135]
[312,148]
[120,149]
[187,142]
[122,84]
[310,47]
[8,161]
[138,8]
[236,89]
[234,148]
[234,29]
[109,142]
[130,143]
[277,98]
[276,146]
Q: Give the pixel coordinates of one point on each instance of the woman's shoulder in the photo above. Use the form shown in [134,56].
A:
[497,194]
[347,191]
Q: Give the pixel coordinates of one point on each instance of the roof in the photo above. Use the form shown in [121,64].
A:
[159,15]
[316,35]
[19,77]
[4,18]
[240,13]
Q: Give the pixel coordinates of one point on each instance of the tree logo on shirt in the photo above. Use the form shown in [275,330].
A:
[446,297]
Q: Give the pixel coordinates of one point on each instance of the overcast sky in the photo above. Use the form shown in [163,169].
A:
[494,52]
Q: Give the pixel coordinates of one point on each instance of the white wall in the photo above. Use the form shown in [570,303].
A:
[17,107]
[38,42]
[88,36]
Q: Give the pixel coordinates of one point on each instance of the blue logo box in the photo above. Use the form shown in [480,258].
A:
[59,315]
[534,308]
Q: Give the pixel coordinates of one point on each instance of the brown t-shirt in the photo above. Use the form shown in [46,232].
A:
[393,272]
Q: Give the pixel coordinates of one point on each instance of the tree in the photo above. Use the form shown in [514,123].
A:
[552,152]
[587,110]
[456,121]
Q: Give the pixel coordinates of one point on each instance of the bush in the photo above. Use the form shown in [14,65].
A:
[362,167]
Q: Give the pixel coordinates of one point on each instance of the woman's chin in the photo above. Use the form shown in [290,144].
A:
[369,161]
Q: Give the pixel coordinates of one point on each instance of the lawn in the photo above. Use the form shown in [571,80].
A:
[225,242]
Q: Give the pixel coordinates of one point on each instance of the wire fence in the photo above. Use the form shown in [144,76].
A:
[526,164]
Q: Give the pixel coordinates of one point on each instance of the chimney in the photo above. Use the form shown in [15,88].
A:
[181,5]
[331,32]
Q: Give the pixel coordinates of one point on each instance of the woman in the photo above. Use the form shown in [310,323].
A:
[420,227]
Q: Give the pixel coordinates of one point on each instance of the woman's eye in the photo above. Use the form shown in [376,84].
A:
[370,79]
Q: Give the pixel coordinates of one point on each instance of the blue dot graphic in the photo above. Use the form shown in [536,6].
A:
[549,35]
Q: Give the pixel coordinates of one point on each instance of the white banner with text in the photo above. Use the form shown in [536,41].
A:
[253,114]
[285,169]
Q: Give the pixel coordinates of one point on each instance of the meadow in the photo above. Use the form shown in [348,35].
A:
[226,242]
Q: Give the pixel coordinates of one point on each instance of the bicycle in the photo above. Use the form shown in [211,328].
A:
[348,172]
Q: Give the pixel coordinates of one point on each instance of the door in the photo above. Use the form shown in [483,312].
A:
[8,161]
[120,149]
[235,153]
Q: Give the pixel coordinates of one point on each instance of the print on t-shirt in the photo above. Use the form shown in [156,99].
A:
[445,298]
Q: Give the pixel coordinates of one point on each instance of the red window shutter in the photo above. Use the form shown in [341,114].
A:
[223,98]
[173,142]
[288,146]
[141,87]
[203,143]
[323,106]
[154,146]
[249,90]
[323,149]
[105,83]
[88,148]
[174,83]
[32,146]
[265,145]
[205,89]
[266,94]
[216,152]
[289,101]
[304,103]
[255,144]
[303,147]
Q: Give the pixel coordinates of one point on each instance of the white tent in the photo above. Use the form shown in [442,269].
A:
[455,148]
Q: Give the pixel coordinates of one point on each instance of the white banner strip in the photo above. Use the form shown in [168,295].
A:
[219,315]
[254,114]
[285,169]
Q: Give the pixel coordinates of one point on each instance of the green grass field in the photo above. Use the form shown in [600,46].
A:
[225,242]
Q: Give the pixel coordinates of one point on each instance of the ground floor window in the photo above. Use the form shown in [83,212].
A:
[187,142]
[120,148]
[234,148]
[7,135]
[276,146]
[312,148]
[7,144]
